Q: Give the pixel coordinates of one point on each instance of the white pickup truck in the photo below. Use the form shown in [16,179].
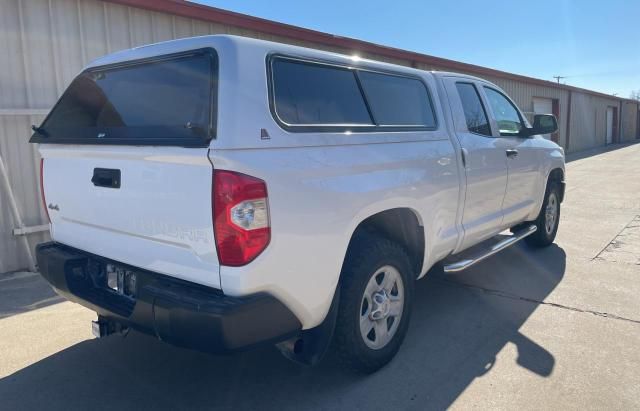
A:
[220,192]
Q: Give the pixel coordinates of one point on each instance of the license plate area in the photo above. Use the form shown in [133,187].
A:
[96,281]
[121,280]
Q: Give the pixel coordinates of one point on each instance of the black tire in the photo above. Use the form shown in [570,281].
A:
[544,237]
[366,256]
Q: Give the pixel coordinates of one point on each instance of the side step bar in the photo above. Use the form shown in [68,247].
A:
[481,255]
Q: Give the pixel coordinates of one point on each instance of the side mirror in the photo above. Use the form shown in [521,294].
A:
[542,124]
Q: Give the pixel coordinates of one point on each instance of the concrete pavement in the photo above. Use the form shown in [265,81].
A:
[526,329]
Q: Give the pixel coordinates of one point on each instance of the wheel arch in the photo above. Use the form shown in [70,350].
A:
[402,225]
[556,175]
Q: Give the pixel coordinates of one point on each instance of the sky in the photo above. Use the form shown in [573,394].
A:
[594,44]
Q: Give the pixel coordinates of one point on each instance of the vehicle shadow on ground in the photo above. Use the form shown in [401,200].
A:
[459,325]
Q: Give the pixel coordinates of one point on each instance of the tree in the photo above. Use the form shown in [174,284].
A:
[635,95]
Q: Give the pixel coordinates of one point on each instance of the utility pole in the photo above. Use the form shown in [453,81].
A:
[558,78]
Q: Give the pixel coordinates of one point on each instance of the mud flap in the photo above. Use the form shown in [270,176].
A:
[310,346]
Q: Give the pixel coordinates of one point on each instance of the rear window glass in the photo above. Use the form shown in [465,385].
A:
[474,112]
[312,94]
[162,100]
[397,101]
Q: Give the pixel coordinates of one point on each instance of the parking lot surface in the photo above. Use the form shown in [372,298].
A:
[526,329]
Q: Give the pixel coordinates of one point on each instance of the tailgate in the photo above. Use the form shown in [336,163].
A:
[125,170]
[159,218]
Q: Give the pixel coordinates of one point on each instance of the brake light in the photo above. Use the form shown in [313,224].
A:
[240,217]
[44,202]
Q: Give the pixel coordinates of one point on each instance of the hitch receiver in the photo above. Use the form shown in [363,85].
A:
[100,328]
[103,328]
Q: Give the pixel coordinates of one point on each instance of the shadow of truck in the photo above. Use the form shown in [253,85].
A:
[459,325]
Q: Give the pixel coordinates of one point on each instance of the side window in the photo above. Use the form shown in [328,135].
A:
[507,116]
[310,94]
[397,101]
[474,112]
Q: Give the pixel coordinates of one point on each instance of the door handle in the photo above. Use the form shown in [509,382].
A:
[512,153]
[464,153]
[106,177]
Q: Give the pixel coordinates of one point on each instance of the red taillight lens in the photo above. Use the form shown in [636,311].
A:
[240,217]
[44,202]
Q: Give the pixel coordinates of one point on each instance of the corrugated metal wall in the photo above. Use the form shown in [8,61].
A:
[629,118]
[44,43]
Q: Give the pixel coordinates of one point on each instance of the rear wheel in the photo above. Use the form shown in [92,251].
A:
[375,304]
[548,219]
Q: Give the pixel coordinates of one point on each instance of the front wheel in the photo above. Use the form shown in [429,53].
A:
[375,304]
[548,219]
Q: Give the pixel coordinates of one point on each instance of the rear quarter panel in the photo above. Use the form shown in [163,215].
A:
[319,195]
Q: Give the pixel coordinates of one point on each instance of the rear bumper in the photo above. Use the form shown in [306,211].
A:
[182,313]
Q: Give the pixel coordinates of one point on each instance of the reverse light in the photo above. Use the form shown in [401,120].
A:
[250,214]
[240,217]
[44,201]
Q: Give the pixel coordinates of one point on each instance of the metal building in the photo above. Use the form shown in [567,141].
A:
[45,43]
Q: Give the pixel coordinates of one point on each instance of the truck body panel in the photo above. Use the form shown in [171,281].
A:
[461,186]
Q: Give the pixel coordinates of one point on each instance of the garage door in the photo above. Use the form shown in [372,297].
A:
[543,106]
[609,125]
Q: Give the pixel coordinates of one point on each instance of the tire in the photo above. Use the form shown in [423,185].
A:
[546,229]
[373,264]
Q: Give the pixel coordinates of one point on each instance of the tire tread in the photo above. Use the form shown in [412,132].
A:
[366,250]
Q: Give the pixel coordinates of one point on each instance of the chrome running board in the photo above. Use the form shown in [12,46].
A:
[481,255]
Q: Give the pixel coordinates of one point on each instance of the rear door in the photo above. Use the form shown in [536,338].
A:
[484,162]
[125,168]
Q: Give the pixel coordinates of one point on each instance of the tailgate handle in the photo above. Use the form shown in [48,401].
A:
[106,177]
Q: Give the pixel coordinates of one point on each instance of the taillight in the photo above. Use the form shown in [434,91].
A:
[44,202]
[240,217]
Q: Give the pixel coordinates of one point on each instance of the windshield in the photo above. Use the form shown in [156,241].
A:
[161,101]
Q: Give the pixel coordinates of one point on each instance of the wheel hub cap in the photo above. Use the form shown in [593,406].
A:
[381,307]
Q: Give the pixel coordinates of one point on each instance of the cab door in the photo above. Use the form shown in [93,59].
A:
[525,183]
[484,160]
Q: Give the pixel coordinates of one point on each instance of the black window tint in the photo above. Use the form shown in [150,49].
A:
[154,100]
[397,101]
[507,117]
[307,94]
[474,112]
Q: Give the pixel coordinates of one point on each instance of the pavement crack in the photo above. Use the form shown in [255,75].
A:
[630,224]
[511,296]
